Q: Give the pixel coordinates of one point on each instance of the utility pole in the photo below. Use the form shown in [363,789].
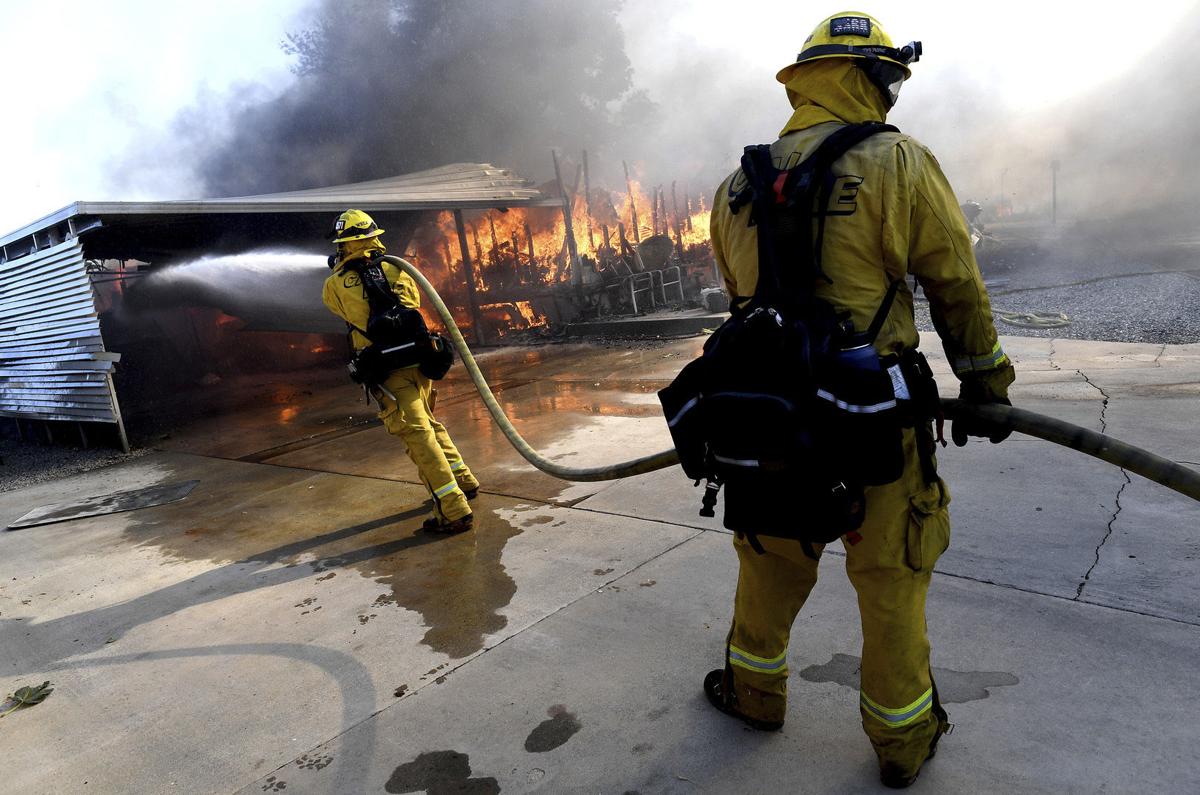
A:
[1054,164]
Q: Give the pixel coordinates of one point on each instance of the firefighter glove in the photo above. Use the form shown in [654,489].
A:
[961,427]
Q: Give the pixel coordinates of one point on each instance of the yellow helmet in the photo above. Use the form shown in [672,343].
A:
[855,35]
[354,225]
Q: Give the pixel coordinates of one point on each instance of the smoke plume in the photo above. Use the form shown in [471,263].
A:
[392,88]
[385,88]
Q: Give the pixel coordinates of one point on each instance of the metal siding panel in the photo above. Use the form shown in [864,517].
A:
[76,392]
[22,335]
[60,415]
[20,312]
[53,365]
[64,252]
[43,291]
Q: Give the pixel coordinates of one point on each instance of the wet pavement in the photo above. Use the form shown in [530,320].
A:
[288,626]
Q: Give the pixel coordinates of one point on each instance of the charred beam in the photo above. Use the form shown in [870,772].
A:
[472,299]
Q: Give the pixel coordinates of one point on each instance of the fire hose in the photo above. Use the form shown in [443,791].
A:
[1126,456]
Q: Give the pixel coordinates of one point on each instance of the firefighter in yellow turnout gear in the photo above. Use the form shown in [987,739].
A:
[406,398]
[892,214]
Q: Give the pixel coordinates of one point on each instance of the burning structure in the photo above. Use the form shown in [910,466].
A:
[601,253]
[168,284]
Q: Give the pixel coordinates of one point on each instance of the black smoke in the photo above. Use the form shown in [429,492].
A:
[386,88]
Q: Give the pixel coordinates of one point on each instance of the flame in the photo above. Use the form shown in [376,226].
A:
[522,253]
[533,318]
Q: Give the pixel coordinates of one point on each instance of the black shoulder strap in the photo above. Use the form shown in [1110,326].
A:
[833,147]
[783,203]
[375,285]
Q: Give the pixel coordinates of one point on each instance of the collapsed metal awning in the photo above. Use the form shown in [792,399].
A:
[53,365]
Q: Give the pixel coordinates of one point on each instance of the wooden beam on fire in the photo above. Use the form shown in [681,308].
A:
[478,248]
[533,268]
[653,211]
[576,270]
[632,204]
[472,299]
[587,201]
[495,244]
[675,213]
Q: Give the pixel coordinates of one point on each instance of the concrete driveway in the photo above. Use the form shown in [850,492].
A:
[288,627]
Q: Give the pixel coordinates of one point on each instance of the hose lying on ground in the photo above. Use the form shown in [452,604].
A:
[1174,476]
[1033,319]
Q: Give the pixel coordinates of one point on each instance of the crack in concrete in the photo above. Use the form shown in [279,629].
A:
[1060,597]
[1161,351]
[1107,534]
[1117,509]
[1050,356]
[1103,405]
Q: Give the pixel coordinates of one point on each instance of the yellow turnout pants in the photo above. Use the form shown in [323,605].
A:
[438,462]
[906,529]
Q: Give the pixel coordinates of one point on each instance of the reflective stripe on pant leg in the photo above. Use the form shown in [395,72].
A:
[466,480]
[896,695]
[444,490]
[771,590]
[766,665]
[409,419]
[901,716]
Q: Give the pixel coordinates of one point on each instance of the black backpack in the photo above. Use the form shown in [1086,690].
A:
[789,408]
[398,334]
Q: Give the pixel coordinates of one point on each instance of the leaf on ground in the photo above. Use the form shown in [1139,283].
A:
[26,697]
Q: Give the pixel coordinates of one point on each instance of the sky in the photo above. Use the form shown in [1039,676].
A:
[86,83]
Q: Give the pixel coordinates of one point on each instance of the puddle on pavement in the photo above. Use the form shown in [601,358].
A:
[603,399]
[552,732]
[457,583]
[954,687]
[439,773]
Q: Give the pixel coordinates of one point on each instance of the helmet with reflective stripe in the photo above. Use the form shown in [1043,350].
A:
[855,35]
[354,225]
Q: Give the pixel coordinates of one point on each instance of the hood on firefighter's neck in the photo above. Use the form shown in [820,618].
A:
[353,249]
[833,89]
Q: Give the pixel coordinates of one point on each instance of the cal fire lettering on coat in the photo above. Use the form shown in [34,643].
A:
[351,279]
[843,199]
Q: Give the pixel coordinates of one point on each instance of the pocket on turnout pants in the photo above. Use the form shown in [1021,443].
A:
[928,526]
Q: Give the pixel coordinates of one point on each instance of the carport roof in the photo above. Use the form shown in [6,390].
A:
[451,187]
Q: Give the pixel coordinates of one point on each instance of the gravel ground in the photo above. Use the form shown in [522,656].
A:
[25,464]
[1159,308]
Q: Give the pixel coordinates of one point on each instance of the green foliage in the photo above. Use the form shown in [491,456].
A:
[27,697]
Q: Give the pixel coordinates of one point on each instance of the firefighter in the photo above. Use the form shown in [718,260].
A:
[405,396]
[892,214]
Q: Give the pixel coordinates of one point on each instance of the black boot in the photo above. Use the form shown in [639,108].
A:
[434,525]
[718,686]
